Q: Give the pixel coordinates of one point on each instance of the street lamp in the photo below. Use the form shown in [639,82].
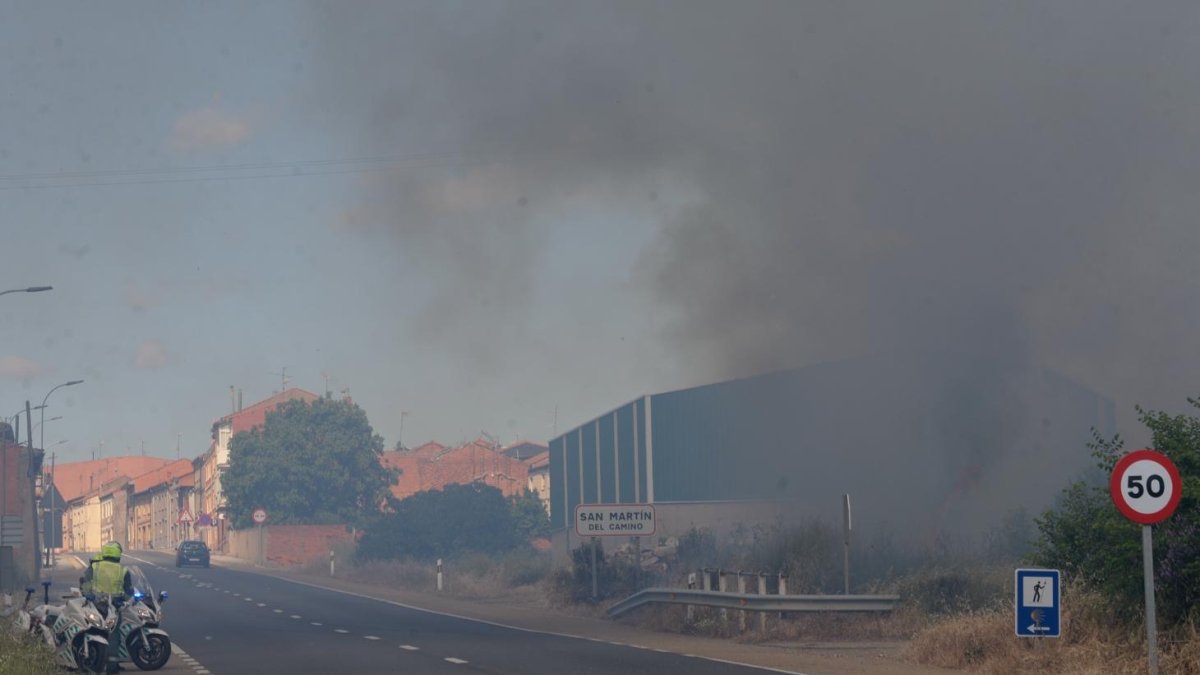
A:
[31,289]
[42,442]
[58,417]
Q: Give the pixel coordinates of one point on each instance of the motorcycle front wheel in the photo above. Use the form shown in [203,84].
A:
[95,660]
[151,656]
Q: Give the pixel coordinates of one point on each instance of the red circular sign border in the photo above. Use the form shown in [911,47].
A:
[255,512]
[1114,486]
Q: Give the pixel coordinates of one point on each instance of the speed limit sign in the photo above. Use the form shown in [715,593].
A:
[1145,487]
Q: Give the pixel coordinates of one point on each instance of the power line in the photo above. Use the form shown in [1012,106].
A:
[249,171]
[248,166]
[200,179]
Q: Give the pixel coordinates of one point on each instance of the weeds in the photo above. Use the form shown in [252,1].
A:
[20,655]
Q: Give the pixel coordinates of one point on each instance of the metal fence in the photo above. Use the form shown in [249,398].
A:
[755,602]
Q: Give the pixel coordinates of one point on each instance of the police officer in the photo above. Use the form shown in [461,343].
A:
[108,575]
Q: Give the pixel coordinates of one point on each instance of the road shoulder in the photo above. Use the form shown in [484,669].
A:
[826,659]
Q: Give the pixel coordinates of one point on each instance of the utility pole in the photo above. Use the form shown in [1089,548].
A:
[283,379]
[51,526]
[401,441]
[178,443]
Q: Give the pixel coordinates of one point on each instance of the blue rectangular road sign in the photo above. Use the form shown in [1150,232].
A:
[1038,607]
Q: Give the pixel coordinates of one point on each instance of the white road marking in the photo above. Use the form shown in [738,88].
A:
[262,604]
[370,637]
[294,616]
[316,623]
[451,659]
[409,648]
[176,650]
[343,631]
[522,629]
[277,611]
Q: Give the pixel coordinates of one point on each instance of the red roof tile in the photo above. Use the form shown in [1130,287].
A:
[75,479]
[538,461]
[468,463]
[164,474]
[256,415]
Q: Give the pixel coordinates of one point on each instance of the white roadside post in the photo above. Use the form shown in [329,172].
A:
[439,575]
[330,562]
[1146,488]
[762,590]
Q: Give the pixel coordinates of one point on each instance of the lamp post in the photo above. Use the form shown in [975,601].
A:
[31,289]
[42,441]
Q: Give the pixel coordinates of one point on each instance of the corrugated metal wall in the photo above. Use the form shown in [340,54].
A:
[602,461]
[907,445]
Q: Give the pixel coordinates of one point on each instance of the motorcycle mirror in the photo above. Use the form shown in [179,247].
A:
[162,595]
[46,583]
[29,590]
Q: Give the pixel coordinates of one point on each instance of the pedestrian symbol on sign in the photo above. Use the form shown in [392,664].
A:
[1037,591]
[1037,603]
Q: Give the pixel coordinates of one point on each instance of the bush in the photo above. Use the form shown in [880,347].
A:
[441,524]
[616,578]
[1090,540]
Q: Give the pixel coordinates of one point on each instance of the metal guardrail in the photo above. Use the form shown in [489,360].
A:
[756,603]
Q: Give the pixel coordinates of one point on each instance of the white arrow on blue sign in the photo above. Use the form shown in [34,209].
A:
[1038,606]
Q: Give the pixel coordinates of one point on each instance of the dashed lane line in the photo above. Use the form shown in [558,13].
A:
[452,659]
[409,648]
[189,661]
[534,631]
[370,637]
[343,631]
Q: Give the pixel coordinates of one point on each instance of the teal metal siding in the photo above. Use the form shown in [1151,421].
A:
[625,448]
[608,461]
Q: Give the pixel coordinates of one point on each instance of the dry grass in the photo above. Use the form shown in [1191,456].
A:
[476,576]
[1093,641]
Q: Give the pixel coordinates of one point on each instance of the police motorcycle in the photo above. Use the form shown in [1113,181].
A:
[136,636]
[76,631]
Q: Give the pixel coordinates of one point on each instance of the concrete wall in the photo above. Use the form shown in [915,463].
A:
[287,545]
[19,564]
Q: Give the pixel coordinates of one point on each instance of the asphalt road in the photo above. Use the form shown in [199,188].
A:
[232,621]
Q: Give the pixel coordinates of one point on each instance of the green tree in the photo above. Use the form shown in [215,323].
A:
[1090,540]
[529,515]
[442,523]
[308,463]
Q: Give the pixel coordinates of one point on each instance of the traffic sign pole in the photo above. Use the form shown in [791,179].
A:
[1148,572]
[1146,488]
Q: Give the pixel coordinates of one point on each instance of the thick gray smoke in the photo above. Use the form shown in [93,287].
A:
[828,179]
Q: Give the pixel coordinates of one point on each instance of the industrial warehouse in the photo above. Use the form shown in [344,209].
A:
[924,442]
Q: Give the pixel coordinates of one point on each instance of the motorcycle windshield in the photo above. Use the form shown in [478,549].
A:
[141,585]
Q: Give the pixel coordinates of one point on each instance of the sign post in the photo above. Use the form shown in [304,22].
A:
[1146,489]
[1038,603]
[613,520]
[259,517]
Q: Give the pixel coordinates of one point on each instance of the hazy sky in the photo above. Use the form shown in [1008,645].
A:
[476,212]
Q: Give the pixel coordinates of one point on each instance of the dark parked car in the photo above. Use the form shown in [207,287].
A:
[191,552]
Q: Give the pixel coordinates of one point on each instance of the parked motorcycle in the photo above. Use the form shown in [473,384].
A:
[77,630]
[137,636]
